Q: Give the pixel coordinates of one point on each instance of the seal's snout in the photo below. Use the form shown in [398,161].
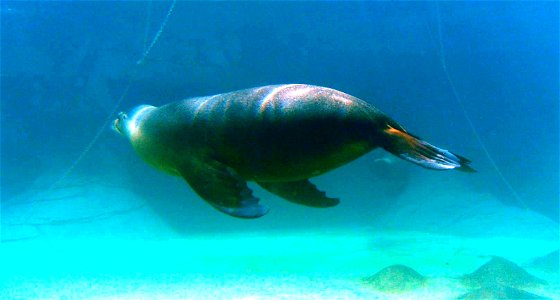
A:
[119,123]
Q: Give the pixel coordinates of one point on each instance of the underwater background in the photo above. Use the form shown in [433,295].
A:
[84,217]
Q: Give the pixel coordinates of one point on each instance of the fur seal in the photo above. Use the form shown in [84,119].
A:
[278,136]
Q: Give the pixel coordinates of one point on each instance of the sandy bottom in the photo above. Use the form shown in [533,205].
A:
[265,265]
[100,241]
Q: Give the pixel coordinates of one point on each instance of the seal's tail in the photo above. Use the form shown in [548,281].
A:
[413,149]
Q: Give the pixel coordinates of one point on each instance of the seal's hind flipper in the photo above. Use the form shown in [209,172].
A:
[300,192]
[220,186]
[413,149]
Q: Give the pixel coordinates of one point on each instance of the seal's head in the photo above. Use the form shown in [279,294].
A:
[127,124]
[119,123]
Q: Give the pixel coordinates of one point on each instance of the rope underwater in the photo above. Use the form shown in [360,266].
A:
[468,118]
[147,24]
[111,115]
[158,34]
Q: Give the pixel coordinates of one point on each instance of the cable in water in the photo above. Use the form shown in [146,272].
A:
[158,34]
[147,24]
[467,117]
[111,115]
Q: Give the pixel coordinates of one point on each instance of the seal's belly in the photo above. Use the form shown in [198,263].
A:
[292,151]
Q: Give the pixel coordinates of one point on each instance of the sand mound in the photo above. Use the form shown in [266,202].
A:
[500,271]
[396,279]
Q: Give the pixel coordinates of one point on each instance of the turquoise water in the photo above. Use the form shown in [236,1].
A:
[84,218]
[270,265]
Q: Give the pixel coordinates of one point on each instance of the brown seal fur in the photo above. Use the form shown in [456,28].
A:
[278,136]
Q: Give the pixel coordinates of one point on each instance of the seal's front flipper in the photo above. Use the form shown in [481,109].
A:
[413,149]
[220,186]
[300,192]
